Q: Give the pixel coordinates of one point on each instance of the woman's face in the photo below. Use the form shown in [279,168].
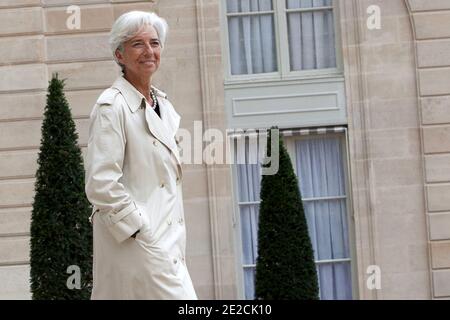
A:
[142,53]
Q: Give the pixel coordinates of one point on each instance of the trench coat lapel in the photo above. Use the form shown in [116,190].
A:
[158,128]
[171,120]
[169,116]
[164,128]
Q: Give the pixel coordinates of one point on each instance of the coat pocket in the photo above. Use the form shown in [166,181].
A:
[145,237]
[148,215]
[160,262]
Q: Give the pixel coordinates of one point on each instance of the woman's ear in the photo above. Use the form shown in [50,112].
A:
[119,56]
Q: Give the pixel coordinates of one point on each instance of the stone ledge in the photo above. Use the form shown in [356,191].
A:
[14,250]
[15,282]
[21,21]
[440,254]
[438,197]
[441,282]
[428,5]
[432,25]
[439,226]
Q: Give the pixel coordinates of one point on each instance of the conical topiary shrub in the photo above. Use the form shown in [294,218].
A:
[61,236]
[285,267]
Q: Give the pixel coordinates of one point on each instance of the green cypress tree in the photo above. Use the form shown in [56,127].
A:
[61,235]
[285,267]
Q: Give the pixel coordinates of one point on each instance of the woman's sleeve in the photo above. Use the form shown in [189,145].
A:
[104,162]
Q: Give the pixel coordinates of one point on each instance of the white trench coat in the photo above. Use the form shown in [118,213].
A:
[133,181]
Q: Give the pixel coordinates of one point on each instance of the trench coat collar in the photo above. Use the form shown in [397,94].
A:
[162,128]
[132,96]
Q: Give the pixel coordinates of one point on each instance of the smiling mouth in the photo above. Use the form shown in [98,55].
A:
[148,62]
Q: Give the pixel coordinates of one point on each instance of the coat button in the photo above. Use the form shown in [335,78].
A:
[162,184]
[155,143]
[175,261]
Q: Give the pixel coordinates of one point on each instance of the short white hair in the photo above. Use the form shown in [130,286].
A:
[128,24]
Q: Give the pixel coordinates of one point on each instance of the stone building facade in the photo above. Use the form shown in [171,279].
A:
[389,94]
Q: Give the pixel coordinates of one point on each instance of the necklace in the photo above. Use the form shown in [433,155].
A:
[152,93]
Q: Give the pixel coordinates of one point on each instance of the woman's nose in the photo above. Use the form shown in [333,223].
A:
[148,48]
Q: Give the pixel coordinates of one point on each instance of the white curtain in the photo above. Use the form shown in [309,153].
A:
[321,174]
[249,176]
[320,166]
[252,38]
[311,36]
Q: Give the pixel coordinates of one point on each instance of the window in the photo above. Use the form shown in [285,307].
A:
[320,166]
[319,162]
[251,30]
[280,37]
[311,34]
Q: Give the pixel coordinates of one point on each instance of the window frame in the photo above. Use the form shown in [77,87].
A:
[289,142]
[290,146]
[282,50]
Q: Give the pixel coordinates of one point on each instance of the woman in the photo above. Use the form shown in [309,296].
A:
[133,174]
